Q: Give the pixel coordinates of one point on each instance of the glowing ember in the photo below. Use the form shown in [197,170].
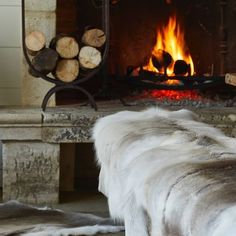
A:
[170,39]
[171,95]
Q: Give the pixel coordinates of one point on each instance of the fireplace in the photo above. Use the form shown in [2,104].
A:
[25,132]
[205,27]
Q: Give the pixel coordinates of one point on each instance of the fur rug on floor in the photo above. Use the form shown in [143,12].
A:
[24,220]
[167,174]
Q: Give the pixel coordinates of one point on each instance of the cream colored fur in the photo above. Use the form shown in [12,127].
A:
[167,174]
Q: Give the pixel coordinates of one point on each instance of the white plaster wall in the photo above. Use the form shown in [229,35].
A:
[10,52]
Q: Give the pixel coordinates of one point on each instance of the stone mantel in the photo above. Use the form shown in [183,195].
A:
[74,123]
[31,144]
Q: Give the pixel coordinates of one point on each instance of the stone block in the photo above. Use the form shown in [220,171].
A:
[0,164]
[20,115]
[31,172]
[67,134]
[22,132]
[34,89]
[42,5]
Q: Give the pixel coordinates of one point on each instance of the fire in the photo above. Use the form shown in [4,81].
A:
[170,39]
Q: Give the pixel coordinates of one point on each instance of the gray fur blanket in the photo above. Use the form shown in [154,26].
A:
[167,174]
[18,219]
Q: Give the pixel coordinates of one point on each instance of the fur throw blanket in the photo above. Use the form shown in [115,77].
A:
[17,219]
[167,174]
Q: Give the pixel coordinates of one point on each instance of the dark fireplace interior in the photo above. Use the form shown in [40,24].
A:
[206,26]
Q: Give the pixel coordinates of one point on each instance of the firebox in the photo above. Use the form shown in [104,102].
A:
[159,49]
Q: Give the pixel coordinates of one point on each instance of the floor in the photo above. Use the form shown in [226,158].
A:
[94,203]
[90,202]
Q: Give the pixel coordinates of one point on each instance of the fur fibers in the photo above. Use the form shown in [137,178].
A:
[167,174]
[17,219]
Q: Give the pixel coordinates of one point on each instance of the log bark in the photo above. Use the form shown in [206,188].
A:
[89,57]
[67,47]
[67,70]
[94,38]
[45,61]
[35,41]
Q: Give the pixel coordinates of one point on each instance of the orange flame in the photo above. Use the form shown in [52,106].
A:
[171,40]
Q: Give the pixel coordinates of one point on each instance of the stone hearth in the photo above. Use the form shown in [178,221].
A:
[31,144]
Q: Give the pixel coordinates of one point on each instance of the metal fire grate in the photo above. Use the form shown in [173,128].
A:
[152,80]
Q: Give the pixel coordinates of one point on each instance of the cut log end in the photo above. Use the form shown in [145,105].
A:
[89,57]
[67,47]
[94,38]
[67,70]
[230,79]
[35,41]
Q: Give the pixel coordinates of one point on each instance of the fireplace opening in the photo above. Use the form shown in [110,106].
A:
[157,44]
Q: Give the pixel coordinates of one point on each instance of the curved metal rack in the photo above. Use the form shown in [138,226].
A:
[76,84]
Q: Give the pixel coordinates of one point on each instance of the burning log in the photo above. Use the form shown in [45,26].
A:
[181,68]
[89,57]
[67,70]
[35,41]
[94,38]
[67,47]
[45,61]
[161,60]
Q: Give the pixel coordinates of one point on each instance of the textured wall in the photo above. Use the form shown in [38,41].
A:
[40,15]
[10,52]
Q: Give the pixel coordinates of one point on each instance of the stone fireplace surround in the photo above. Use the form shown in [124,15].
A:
[31,144]
[31,138]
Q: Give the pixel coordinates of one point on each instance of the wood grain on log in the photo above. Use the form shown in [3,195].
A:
[94,38]
[35,41]
[45,61]
[67,70]
[230,79]
[89,57]
[67,47]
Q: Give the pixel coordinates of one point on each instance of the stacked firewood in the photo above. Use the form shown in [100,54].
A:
[65,56]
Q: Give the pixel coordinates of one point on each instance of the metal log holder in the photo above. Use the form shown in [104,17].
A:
[76,84]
